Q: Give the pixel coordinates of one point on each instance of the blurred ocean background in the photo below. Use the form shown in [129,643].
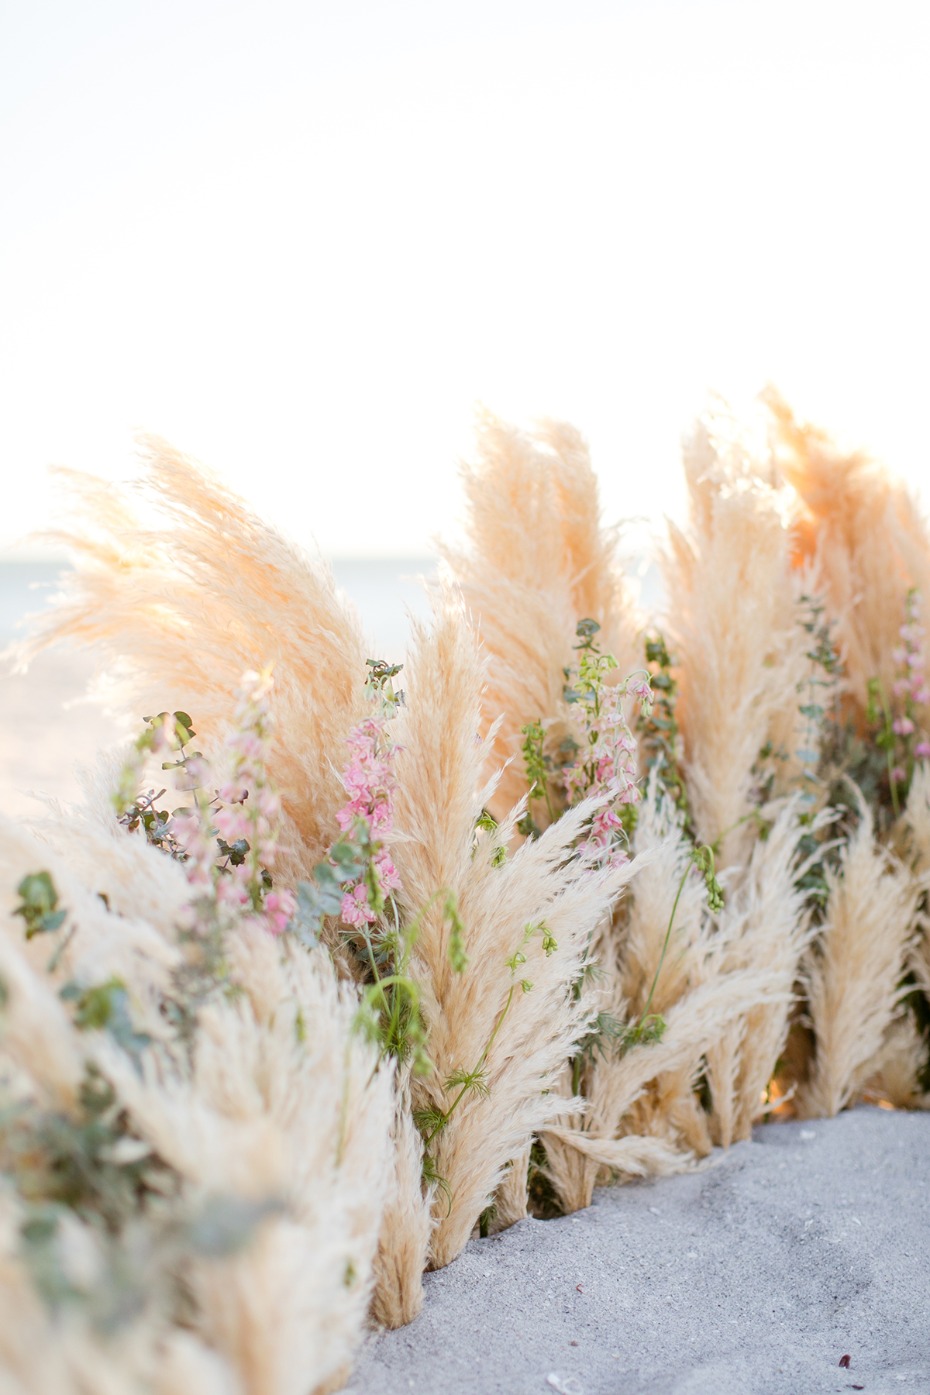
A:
[48,727]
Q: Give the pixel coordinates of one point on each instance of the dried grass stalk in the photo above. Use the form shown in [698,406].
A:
[868,535]
[403,1244]
[537,561]
[852,972]
[765,926]
[733,624]
[481,1020]
[184,607]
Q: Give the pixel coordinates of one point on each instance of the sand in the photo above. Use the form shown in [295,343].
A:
[754,1276]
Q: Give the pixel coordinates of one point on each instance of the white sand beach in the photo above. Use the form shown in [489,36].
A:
[756,1275]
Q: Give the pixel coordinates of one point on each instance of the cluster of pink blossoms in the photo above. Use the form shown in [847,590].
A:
[369,781]
[911,688]
[244,815]
[607,762]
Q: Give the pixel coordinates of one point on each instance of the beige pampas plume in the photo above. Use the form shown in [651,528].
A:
[853,970]
[182,608]
[917,846]
[900,1067]
[500,1027]
[287,1114]
[733,627]
[403,1243]
[765,926]
[868,535]
[537,560]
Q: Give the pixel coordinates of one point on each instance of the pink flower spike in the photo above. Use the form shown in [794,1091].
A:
[922,750]
[903,726]
[279,908]
[898,775]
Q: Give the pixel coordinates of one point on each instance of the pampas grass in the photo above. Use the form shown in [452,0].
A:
[852,972]
[182,608]
[283,1162]
[537,560]
[867,534]
[278,1109]
[733,627]
[765,926]
[512,1024]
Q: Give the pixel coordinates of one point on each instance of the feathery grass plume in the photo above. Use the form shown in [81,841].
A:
[500,1026]
[915,849]
[765,925]
[403,1244]
[639,968]
[868,535]
[123,900]
[183,608]
[733,627]
[900,1067]
[659,968]
[511,1200]
[619,1080]
[853,970]
[537,561]
[58,1351]
[266,1122]
[283,1120]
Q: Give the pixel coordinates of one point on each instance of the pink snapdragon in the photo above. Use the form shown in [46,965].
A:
[369,781]
[606,761]
[244,814]
[911,692]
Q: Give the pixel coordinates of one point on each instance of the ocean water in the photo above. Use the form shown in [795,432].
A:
[49,731]
[384,590]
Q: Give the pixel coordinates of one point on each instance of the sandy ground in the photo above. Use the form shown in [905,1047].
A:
[755,1276]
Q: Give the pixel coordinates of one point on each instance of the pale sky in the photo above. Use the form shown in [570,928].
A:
[303,240]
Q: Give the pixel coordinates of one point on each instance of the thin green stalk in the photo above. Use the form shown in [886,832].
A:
[447,1114]
[665,943]
[889,752]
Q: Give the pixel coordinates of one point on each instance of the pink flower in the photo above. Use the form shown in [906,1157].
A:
[903,726]
[922,750]
[355,908]
[279,909]
[898,775]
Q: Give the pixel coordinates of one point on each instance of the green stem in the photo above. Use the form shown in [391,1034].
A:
[889,751]
[447,1115]
[668,935]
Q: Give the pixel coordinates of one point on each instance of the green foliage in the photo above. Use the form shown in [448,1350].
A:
[659,733]
[88,1161]
[487,823]
[39,905]
[537,765]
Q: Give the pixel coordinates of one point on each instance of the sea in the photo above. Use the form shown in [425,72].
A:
[51,731]
[386,591]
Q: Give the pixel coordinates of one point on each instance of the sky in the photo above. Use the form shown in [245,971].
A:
[303,241]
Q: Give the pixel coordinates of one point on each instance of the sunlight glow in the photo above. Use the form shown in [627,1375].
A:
[302,241]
